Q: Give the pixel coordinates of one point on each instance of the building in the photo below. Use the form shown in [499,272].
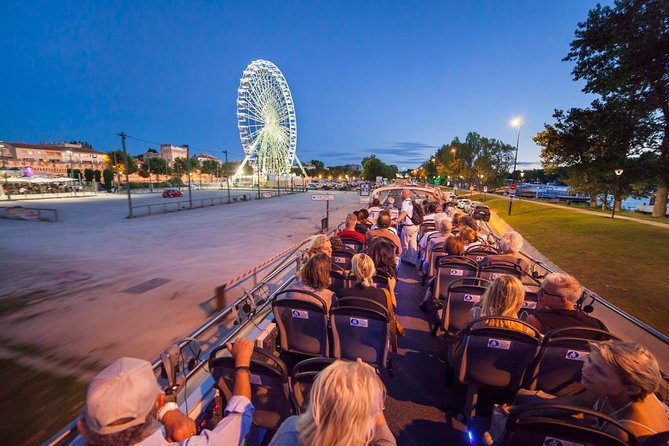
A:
[50,158]
[205,156]
[170,153]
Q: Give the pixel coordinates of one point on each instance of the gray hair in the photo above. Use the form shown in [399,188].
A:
[511,243]
[567,286]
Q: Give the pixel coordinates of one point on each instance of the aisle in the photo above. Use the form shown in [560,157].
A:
[417,393]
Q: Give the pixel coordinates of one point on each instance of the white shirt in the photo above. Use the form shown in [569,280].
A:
[407,206]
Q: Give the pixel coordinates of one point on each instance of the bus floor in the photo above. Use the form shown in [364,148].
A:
[417,393]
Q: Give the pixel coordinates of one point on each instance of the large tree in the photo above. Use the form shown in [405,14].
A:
[211,167]
[373,167]
[622,52]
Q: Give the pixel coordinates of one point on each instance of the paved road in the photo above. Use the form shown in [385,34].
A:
[74,275]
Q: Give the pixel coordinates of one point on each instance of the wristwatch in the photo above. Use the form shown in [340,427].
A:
[166,408]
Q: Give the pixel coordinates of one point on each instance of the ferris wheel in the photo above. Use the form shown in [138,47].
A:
[266,120]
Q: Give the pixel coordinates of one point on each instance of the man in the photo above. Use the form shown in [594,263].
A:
[557,299]
[510,245]
[124,399]
[383,230]
[350,232]
[445,228]
[408,230]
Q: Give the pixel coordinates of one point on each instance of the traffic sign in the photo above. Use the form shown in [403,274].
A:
[323,197]
[512,187]
[512,194]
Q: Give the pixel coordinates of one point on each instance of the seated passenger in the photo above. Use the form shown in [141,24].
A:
[363,218]
[510,245]
[362,267]
[316,244]
[351,232]
[382,252]
[314,277]
[469,236]
[620,379]
[124,400]
[453,246]
[430,211]
[345,408]
[556,307]
[336,243]
[504,297]
[445,227]
[383,225]
[374,210]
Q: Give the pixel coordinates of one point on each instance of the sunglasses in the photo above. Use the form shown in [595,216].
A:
[543,291]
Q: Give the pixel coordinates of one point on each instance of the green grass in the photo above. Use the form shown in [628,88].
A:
[624,262]
[35,404]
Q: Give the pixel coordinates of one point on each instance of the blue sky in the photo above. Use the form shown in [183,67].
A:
[396,79]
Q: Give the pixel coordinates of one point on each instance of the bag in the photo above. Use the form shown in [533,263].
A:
[417,217]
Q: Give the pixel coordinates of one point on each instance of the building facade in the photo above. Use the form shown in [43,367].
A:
[52,158]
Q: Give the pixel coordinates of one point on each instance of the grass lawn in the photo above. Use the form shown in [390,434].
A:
[626,263]
[35,405]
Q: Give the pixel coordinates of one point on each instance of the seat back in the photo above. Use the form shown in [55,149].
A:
[495,357]
[557,369]
[426,227]
[499,268]
[548,423]
[352,243]
[461,296]
[339,278]
[381,280]
[478,252]
[451,268]
[530,303]
[360,332]
[302,318]
[341,258]
[436,252]
[270,393]
[302,378]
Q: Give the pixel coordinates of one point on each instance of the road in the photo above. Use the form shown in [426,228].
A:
[70,283]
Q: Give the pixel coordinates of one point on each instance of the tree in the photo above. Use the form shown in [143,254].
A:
[89,175]
[157,166]
[115,161]
[181,168]
[97,176]
[211,167]
[108,176]
[373,167]
[622,54]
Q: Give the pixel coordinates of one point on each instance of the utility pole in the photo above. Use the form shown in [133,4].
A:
[227,173]
[127,182]
[4,168]
[190,193]
[515,162]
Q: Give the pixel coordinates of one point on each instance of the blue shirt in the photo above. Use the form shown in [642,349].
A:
[231,430]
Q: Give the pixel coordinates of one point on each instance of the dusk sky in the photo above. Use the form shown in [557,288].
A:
[397,79]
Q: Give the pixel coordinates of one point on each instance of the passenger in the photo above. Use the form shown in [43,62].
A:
[336,243]
[408,230]
[362,267]
[363,218]
[374,211]
[316,244]
[430,212]
[556,307]
[351,232]
[469,236]
[345,409]
[510,245]
[620,380]
[314,277]
[504,297]
[453,246]
[124,400]
[383,224]
[422,243]
[382,252]
[445,227]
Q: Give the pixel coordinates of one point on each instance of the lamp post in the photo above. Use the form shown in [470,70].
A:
[618,172]
[71,175]
[227,176]
[516,122]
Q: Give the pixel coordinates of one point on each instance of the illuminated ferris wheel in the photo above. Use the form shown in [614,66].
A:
[266,119]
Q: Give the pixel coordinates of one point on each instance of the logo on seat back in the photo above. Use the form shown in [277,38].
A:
[529,304]
[576,355]
[339,260]
[499,343]
[299,314]
[456,272]
[552,441]
[495,276]
[355,322]
[471,298]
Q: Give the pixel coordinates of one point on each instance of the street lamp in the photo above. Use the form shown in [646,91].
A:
[4,168]
[517,122]
[618,172]
[69,152]
[227,176]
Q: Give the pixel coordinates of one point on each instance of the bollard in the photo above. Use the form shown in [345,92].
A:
[220,297]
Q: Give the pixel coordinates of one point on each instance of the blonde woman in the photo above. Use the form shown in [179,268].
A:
[345,409]
[316,244]
[504,297]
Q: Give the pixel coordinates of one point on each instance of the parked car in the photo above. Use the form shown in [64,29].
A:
[480,212]
[172,193]
[312,186]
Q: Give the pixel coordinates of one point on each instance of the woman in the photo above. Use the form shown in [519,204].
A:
[620,379]
[382,252]
[316,244]
[345,409]
[510,245]
[314,277]
[504,297]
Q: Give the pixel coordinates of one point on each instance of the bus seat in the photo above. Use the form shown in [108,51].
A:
[302,377]
[303,325]
[478,252]
[462,295]
[499,268]
[451,268]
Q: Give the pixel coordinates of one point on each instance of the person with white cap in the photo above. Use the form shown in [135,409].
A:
[124,400]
